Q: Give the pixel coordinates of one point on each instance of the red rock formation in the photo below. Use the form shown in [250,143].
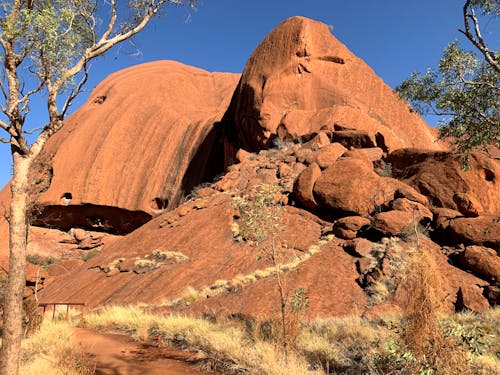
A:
[440,177]
[301,79]
[144,138]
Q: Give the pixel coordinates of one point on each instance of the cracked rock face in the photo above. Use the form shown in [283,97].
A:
[301,79]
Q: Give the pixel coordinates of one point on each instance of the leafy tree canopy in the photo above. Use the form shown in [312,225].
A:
[465,90]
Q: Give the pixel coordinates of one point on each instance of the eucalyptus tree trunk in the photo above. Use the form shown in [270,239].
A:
[18,236]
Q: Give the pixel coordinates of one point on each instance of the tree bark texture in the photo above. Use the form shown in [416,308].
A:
[18,234]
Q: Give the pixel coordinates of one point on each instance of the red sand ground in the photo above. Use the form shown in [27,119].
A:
[116,354]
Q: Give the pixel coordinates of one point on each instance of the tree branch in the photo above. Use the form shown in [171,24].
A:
[75,92]
[4,126]
[105,43]
[477,40]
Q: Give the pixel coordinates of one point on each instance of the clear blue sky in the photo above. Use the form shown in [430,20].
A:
[395,37]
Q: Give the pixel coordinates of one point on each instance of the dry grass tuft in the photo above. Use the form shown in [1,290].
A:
[422,334]
[52,351]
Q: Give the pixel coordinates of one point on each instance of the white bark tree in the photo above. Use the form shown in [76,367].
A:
[46,48]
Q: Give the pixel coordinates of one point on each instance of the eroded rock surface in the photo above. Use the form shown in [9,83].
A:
[301,79]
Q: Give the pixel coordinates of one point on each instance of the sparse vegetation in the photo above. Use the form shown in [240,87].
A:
[384,169]
[44,262]
[51,350]
[87,255]
[175,256]
[349,345]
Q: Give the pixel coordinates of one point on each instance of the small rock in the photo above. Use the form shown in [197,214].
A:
[372,154]
[393,223]
[329,154]
[242,155]
[305,155]
[345,234]
[319,141]
[467,204]
[354,223]
[285,171]
[471,298]
[359,247]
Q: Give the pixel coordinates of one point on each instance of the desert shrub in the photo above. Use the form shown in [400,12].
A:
[147,263]
[175,256]
[87,255]
[348,345]
[260,213]
[384,169]
[44,262]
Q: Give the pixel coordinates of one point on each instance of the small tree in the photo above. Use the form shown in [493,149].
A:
[261,216]
[47,46]
[465,91]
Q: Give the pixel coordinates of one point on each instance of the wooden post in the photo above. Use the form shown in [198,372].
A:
[67,312]
[54,312]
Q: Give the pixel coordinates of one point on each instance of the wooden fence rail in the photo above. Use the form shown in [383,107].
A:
[44,305]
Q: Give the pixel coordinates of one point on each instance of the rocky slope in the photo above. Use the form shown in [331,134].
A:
[362,182]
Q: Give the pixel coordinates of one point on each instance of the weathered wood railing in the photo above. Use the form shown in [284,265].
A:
[44,305]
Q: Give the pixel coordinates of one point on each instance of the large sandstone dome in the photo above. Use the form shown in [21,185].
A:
[301,79]
[144,138]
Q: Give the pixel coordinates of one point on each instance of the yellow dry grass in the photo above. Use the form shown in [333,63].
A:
[349,345]
[53,351]
[226,347]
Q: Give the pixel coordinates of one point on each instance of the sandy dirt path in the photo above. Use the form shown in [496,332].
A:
[115,354]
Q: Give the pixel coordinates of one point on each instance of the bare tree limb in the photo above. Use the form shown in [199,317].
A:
[75,92]
[26,97]
[32,131]
[477,40]
[4,126]
[104,44]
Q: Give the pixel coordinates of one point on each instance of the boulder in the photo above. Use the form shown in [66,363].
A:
[359,247]
[482,230]
[304,184]
[471,298]
[301,79]
[394,223]
[334,189]
[417,209]
[467,204]
[347,227]
[319,141]
[372,153]
[482,262]
[440,177]
[354,139]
